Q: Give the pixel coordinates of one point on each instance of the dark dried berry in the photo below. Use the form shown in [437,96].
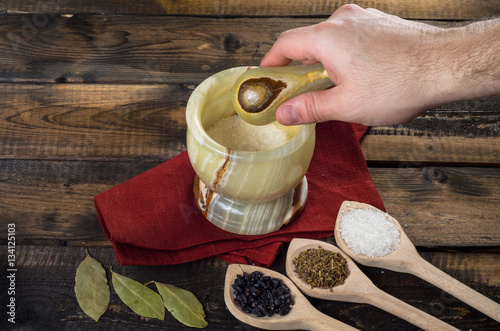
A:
[243,298]
[284,297]
[256,275]
[261,295]
[238,289]
[284,311]
[267,297]
[266,312]
[275,282]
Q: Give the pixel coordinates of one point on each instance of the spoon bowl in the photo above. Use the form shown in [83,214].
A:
[302,314]
[357,288]
[407,260]
[393,261]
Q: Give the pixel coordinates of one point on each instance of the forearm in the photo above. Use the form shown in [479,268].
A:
[473,56]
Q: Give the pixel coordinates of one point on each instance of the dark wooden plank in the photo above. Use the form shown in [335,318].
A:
[128,122]
[419,9]
[45,297]
[52,202]
[450,129]
[129,49]
[133,49]
[426,150]
[459,205]
[147,122]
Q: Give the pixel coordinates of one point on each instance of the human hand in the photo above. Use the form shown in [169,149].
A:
[387,70]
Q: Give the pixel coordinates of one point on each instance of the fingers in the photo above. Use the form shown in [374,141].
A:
[305,44]
[297,44]
[311,107]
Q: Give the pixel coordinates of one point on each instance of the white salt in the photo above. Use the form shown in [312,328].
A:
[237,134]
[369,232]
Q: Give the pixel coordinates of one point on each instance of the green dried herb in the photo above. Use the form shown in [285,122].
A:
[91,287]
[140,298]
[321,268]
[183,305]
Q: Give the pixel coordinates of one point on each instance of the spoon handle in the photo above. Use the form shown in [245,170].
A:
[390,304]
[439,278]
[317,321]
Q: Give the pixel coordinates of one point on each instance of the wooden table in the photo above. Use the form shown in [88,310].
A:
[94,93]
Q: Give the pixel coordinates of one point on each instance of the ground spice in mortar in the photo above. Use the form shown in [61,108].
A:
[237,134]
[321,268]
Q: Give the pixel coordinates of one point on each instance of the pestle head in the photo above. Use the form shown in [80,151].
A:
[258,92]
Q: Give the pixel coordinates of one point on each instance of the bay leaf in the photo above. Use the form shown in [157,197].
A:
[140,298]
[91,287]
[183,305]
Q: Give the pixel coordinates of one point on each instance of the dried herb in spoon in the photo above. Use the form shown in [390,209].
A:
[321,268]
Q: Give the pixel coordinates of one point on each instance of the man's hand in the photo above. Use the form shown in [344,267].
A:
[387,70]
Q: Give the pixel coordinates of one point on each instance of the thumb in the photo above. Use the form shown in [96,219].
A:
[310,107]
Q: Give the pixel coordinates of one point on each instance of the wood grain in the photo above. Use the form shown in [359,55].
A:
[45,295]
[418,9]
[131,49]
[134,49]
[52,201]
[444,200]
[127,122]
[96,122]
[415,151]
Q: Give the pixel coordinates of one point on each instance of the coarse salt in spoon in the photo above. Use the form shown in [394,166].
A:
[302,314]
[405,258]
[357,288]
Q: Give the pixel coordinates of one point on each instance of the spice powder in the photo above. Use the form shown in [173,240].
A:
[321,268]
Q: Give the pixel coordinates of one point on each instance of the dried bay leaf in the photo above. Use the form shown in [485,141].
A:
[140,298]
[183,305]
[91,287]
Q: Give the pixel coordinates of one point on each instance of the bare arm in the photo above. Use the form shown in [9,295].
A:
[388,70]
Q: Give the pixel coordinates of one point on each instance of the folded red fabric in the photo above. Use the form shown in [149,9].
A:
[152,219]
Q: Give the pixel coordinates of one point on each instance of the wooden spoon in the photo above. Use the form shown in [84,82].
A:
[358,288]
[302,315]
[406,259]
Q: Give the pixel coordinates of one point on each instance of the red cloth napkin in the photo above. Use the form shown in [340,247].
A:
[152,219]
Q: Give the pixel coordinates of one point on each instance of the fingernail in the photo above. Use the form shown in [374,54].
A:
[288,115]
